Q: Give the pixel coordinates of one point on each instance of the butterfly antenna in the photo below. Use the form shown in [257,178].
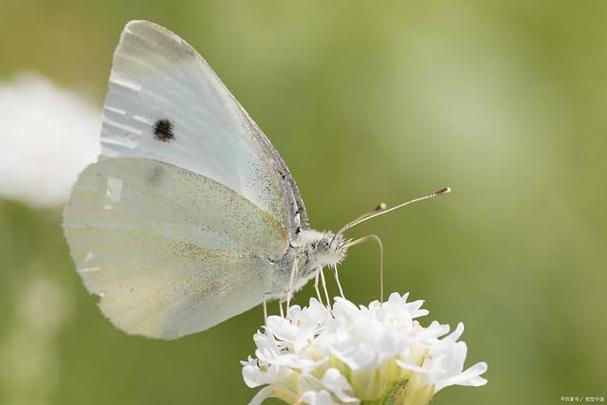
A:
[382,209]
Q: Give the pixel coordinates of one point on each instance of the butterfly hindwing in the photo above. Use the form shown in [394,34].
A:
[169,252]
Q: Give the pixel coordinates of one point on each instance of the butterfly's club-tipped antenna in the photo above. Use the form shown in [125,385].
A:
[382,209]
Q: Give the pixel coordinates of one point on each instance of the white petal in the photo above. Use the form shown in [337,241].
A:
[293,311]
[409,366]
[335,382]
[281,328]
[344,308]
[261,396]
[456,334]
[253,376]
[395,298]
[470,377]
[358,357]
[316,398]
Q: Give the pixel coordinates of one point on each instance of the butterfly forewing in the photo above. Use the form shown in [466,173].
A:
[165,102]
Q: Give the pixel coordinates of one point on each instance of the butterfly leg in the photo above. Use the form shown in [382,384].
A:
[265,307]
[341,291]
[291,282]
[381,259]
[316,278]
[324,287]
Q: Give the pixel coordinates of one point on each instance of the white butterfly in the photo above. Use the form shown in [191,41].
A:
[190,216]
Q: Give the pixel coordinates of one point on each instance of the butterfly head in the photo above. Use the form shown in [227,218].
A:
[323,248]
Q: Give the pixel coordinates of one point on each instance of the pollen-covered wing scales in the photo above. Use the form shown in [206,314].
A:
[181,222]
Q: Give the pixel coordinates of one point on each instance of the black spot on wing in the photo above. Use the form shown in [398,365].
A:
[163,130]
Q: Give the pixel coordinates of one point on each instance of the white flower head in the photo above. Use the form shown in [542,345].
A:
[349,354]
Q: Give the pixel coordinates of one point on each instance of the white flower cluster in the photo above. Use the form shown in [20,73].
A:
[350,354]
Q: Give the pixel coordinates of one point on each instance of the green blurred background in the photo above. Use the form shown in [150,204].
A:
[367,102]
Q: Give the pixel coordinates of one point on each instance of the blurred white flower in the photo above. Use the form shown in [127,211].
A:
[350,354]
[48,136]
